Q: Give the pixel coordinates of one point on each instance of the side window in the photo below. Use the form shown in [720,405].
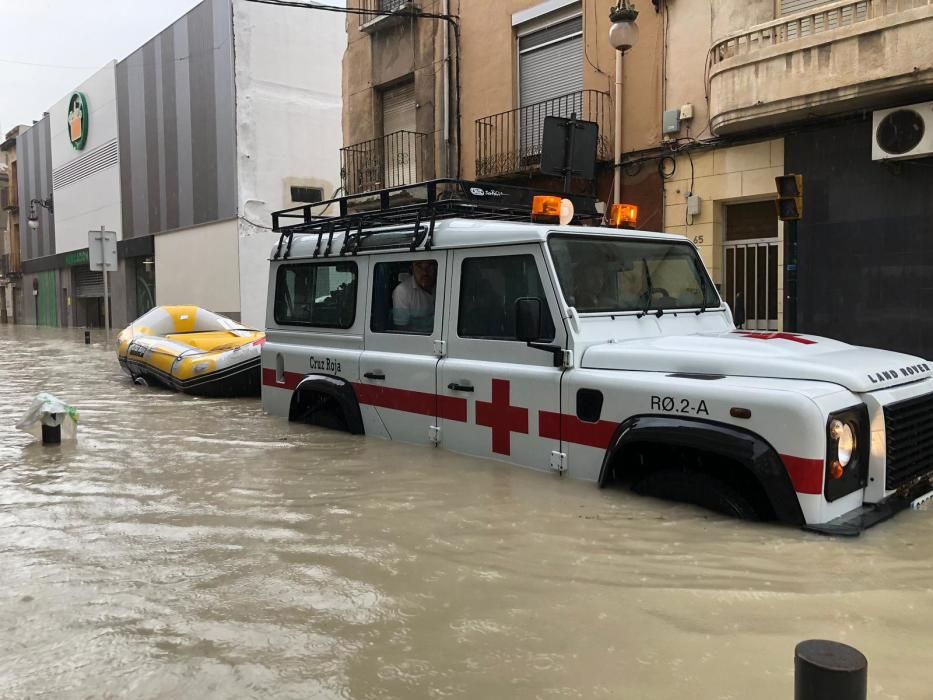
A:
[404,295]
[316,294]
[488,290]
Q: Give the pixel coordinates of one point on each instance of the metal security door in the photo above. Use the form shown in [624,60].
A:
[88,283]
[750,281]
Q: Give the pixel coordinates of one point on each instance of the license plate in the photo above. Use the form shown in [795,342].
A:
[924,502]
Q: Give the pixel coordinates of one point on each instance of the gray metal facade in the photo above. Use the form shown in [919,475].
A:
[34,157]
[177,125]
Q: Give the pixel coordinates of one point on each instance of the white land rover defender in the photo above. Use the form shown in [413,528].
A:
[442,314]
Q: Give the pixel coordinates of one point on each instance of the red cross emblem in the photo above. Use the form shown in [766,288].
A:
[502,417]
[777,336]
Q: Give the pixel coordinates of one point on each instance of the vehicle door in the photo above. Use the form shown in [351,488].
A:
[314,326]
[512,390]
[404,322]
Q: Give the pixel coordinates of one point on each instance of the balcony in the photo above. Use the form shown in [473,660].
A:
[397,159]
[509,143]
[401,9]
[836,58]
[8,198]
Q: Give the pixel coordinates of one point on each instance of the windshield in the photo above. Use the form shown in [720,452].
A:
[603,274]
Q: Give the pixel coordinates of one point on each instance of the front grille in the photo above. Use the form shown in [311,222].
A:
[909,433]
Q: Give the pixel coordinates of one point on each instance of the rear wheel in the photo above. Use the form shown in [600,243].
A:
[698,488]
[322,411]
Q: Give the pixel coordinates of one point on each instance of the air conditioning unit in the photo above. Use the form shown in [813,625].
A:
[902,132]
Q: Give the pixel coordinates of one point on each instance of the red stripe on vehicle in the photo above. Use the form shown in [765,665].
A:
[557,426]
[452,408]
[805,474]
[291,379]
[420,402]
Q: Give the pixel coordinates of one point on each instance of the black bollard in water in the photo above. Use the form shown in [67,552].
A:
[87,337]
[824,669]
[51,434]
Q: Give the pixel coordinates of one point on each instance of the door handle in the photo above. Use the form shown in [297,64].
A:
[453,386]
[374,375]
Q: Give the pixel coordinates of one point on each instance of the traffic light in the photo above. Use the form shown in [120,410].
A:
[789,201]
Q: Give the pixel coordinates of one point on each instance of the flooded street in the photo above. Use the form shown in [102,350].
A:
[189,547]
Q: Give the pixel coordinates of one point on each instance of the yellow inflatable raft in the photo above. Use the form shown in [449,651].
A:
[192,350]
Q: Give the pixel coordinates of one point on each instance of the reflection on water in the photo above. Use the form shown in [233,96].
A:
[190,547]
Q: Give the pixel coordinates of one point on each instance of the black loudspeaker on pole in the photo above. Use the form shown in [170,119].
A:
[826,670]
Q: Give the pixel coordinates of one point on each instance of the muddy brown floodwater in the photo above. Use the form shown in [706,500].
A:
[192,548]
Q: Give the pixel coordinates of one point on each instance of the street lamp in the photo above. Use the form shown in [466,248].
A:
[623,35]
[32,220]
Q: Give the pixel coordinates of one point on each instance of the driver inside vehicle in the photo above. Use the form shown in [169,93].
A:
[413,298]
[633,288]
[593,288]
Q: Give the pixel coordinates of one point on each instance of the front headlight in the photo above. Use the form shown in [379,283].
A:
[846,452]
[844,437]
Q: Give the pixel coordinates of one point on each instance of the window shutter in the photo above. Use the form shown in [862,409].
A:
[398,109]
[550,62]
[807,26]
[790,7]
[550,71]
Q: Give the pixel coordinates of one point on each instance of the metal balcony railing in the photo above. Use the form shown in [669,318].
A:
[510,142]
[394,160]
[379,6]
[820,19]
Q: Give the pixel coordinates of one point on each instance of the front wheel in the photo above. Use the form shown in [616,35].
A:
[698,488]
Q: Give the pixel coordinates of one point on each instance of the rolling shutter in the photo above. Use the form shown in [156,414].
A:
[399,150]
[550,62]
[550,82]
[790,7]
[819,23]
[398,109]
[88,284]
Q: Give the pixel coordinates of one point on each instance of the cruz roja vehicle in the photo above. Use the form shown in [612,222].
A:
[492,322]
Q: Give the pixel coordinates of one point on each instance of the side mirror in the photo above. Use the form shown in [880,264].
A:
[527,319]
[738,313]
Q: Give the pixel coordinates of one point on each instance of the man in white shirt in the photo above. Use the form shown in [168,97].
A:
[413,299]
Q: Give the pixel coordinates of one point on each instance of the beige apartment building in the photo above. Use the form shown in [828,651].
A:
[794,86]
[719,97]
[11,292]
[425,97]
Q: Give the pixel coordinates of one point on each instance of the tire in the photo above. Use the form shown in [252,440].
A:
[698,488]
[332,420]
[324,412]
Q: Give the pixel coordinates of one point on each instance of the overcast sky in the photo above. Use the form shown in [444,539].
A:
[67,41]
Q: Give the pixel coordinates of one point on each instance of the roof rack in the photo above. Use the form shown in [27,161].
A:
[367,220]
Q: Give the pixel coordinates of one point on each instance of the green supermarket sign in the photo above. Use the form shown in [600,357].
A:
[77,120]
[77,257]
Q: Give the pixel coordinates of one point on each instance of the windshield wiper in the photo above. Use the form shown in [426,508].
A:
[644,312]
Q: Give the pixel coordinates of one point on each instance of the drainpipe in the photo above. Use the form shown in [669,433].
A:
[446,100]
